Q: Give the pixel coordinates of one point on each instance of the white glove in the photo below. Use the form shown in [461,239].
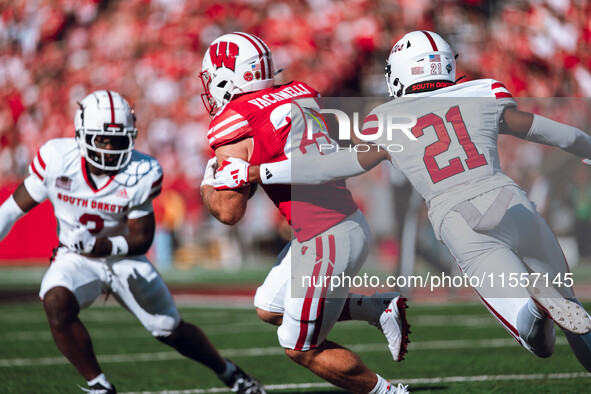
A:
[209,172]
[232,174]
[80,240]
[586,161]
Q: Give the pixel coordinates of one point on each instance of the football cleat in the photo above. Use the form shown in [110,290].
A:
[567,314]
[392,322]
[99,389]
[243,383]
[400,389]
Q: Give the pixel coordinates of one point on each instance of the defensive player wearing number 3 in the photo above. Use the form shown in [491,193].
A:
[102,190]
[482,216]
[253,120]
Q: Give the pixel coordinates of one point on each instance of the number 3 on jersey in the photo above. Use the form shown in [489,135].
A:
[454,117]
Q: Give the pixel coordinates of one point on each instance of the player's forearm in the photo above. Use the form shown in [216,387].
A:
[137,242]
[548,132]
[227,206]
[121,246]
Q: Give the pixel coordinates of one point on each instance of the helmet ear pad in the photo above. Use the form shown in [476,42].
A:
[419,56]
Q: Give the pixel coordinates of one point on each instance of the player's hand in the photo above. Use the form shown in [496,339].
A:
[209,172]
[232,174]
[80,240]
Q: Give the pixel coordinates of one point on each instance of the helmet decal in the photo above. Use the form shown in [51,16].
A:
[431,40]
[224,54]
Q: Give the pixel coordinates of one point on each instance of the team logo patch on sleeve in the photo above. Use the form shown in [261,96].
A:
[63,182]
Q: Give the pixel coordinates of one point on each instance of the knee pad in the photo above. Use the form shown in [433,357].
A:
[162,326]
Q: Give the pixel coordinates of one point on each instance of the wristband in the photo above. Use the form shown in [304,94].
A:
[120,246]
[312,169]
[274,173]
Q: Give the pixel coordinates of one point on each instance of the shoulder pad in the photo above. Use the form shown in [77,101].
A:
[226,127]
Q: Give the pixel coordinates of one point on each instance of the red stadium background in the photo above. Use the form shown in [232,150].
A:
[53,53]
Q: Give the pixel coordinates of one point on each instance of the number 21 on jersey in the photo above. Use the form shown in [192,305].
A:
[453,116]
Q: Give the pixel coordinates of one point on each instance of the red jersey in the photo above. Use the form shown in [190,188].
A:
[265,116]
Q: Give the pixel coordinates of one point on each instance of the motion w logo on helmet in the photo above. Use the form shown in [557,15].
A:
[224,54]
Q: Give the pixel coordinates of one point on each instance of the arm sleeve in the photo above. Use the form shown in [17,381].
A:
[312,169]
[548,132]
[10,212]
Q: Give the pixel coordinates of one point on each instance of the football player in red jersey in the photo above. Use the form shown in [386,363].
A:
[479,213]
[253,121]
[101,190]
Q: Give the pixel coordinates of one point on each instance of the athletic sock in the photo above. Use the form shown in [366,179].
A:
[228,372]
[102,379]
[536,329]
[364,308]
[381,387]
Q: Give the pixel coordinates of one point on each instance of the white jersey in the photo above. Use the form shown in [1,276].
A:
[454,156]
[58,173]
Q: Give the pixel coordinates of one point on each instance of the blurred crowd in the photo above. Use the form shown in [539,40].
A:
[55,52]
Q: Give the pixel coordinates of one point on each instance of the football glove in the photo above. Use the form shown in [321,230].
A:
[209,172]
[232,174]
[80,240]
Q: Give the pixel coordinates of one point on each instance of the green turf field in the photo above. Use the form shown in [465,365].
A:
[455,348]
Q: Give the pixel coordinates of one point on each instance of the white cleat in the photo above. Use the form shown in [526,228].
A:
[567,314]
[392,322]
[400,389]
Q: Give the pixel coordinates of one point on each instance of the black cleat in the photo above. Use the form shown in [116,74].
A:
[243,383]
[100,389]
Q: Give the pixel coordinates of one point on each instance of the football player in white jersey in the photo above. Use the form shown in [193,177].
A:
[451,158]
[101,190]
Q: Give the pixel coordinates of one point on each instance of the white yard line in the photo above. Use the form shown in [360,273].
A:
[472,321]
[271,351]
[447,379]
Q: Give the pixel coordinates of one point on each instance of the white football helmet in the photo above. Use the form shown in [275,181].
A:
[105,114]
[235,63]
[419,56]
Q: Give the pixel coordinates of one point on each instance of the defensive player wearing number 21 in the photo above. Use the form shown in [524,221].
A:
[479,213]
